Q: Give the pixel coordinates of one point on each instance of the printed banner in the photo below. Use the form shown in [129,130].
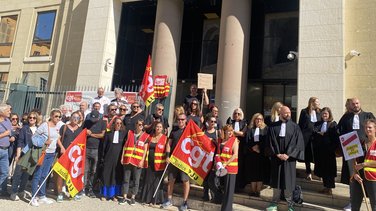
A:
[71,165]
[351,146]
[74,98]
[194,153]
[147,86]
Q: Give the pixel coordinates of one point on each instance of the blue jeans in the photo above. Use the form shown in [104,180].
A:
[4,168]
[41,173]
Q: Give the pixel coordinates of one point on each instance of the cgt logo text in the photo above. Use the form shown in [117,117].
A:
[75,156]
[198,157]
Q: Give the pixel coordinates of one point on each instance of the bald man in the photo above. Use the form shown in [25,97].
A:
[286,144]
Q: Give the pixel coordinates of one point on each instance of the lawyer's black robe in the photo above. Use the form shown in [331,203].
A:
[306,126]
[283,173]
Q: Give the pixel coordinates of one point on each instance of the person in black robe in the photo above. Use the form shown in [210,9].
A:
[308,117]
[352,121]
[286,143]
[112,168]
[240,128]
[258,165]
[326,141]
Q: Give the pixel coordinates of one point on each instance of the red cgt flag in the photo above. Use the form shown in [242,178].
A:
[71,165]
[194,153]
[147,86]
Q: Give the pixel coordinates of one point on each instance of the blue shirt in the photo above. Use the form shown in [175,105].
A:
[4,126]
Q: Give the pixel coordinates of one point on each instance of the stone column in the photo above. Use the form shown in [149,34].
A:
[231,83]
[166,45]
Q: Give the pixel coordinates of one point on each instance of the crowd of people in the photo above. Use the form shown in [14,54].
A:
[127,152]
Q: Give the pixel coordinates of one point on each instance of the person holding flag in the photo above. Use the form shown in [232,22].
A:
[68,133]
[227,157]
[174,171]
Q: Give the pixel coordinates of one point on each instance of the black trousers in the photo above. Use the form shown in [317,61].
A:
[329,182]
[357,194]
[228,197]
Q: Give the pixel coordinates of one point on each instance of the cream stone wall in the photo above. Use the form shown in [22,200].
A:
[321,59]
[99,43]
[360,35]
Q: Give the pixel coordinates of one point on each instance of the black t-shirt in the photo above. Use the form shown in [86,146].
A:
[130,121]
[69,135]
[152,117]
[94,127]
[175,136]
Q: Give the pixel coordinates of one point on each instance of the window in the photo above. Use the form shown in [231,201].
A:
[3,78]
[43,33]
[43,84]
[7,33]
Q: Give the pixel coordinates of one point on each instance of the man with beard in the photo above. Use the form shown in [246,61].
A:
[286,143]
[352,121]
[156,117]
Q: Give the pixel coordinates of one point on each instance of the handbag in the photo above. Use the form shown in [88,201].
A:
[41,158]
[38,140]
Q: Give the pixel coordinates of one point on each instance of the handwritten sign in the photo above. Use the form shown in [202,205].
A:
[205,81]
[351,146]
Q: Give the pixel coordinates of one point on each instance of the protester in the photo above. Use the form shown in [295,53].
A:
[131,119]
[286,142]
[209,184]
[203,97]
[67,133]
[13,139]
[112,168]
[214,111]
[258,165]
[24,119]
[95,132]
[51,129]
[156,159]
[194,113]
[239,124]
[365,170]
[133,159]
[65,113]
[352,121]
[5,133]
[24,144]
[119,99]
[228,156]
[177,111]
[308,117]
[84,108]
[157,116]
[326,140]
[111,116]
[174,171]
[122,111]
[102,100]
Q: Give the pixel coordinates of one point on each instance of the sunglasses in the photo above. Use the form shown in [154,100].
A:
[122,109]
[236,113]
[57,116]
[32,117]
[194,103]
[14,119]
[140,124]
[213,121]
[160,109]
[76,118]
[118,123]
[181,119]
[114,109]
[135,106]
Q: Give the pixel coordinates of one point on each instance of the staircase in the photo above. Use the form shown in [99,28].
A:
[313,200]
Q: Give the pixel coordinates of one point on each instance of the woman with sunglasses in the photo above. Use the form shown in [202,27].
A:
[209,183]
[122,111]
[51,129]
[133,159]
[194,113]
[24,144]
[112,168]
[16,127]
[239,125]
[67,133]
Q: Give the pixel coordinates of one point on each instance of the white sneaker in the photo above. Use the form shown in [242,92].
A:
[347,207]
[35,203]
[45,200]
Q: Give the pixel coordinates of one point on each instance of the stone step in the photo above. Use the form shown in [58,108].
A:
[316,185]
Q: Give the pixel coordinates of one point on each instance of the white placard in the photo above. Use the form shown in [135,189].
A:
[205,81]
[351,146]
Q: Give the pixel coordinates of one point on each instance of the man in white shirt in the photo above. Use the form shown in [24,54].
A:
[103,100]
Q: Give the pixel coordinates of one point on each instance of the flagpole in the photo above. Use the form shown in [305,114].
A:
[40,186]
[160,180]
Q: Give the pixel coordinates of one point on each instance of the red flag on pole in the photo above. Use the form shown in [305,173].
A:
[71,165]
[147,86]
[194,153]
